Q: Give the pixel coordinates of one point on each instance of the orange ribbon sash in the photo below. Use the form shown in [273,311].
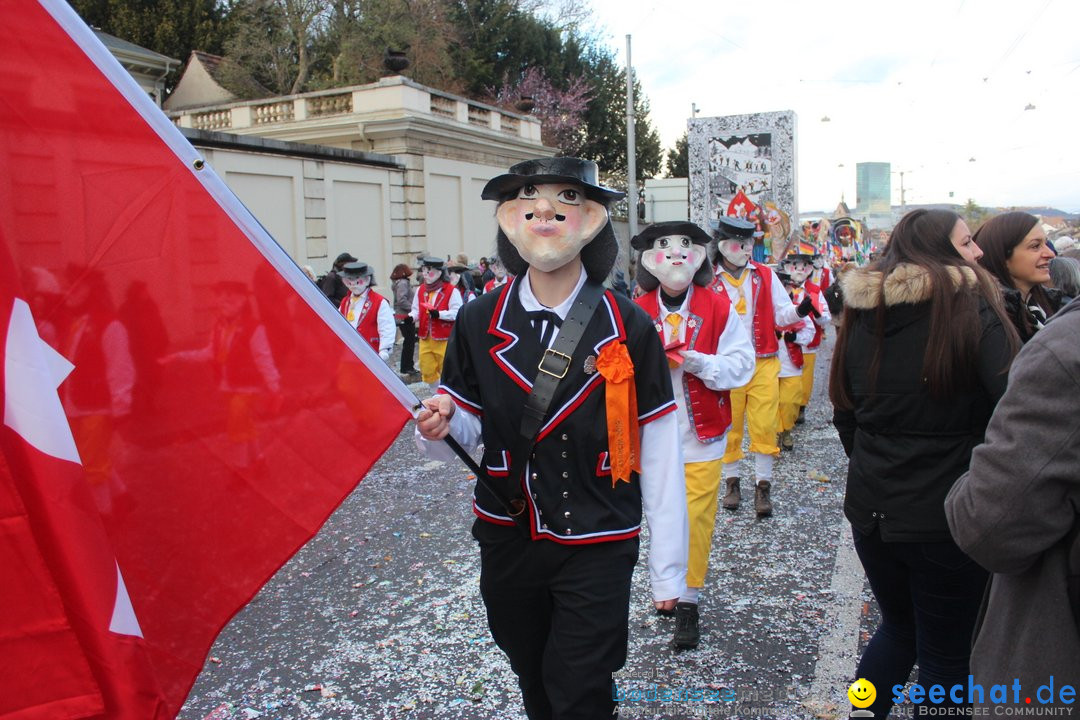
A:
[624,441]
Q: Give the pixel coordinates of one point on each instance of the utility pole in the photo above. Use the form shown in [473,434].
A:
[903,198]
[693,109]
[631,155]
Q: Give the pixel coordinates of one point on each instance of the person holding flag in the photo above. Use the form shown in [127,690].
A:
[434,308]
[800,267]
[760,301]
[366,310]
[709,352]
[566,385]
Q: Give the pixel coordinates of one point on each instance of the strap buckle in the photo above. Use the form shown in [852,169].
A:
[566,360]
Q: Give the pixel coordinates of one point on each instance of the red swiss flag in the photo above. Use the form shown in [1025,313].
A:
[182,408]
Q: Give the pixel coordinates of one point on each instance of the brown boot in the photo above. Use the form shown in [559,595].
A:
[786,443]
[762,503]
[733,496]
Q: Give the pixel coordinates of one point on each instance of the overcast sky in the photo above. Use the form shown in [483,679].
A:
[924,85]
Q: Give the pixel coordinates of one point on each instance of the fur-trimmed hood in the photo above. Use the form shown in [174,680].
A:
[906,284]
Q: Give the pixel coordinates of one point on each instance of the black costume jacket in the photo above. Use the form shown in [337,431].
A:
[490,363]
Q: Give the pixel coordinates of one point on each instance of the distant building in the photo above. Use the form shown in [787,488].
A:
[146,66]
[667,199]
[873,190]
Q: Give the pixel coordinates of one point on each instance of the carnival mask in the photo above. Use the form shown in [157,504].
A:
[673,259]
[550,224]
[799,270]
[819,261]
[431,275]
[356,284]
[736,252]
[454,277]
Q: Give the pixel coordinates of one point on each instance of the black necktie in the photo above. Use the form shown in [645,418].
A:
[544,323]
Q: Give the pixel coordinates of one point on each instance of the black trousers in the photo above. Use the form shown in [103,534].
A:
[408,344]
[560,613]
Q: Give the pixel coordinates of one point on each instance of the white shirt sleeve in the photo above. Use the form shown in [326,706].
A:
[663,498]
[450,314]
[264,359]
[805,333]
[733,363]
[119,367]
[464,427]
[826,316]
[415,311]
[387,327]
[783,310]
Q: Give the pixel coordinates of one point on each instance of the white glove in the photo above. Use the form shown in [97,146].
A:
[693,361]
[384,355]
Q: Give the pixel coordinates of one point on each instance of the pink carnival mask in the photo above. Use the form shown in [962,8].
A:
[799,270]
[550,224]
[673,260]
[736,252]
[356,285]
[431,275]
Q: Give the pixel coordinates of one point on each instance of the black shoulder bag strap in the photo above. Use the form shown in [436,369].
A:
[554,365]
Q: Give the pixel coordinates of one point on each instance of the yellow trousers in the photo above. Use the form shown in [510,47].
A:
[809,361]
[757,403]
[702,485]
[432,353]
[791,389]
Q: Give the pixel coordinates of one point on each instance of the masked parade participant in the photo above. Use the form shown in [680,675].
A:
[434,309]
[791,350]
[758,297]
[800,268]
[566,386]
[500,278]
[822,275]
[709,353]
[366,310]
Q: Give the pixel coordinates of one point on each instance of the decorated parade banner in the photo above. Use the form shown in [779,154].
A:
[744,166]
[183,408]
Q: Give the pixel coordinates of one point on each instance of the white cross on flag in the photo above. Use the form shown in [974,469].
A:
[183,409]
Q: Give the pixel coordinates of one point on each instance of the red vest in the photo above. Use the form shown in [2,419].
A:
[495,282]
[819,332]
[368,324]
[765,343]
[826,279]
[707,316]
[435,329]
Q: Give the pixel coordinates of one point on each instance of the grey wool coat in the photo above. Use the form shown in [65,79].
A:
[1017,511]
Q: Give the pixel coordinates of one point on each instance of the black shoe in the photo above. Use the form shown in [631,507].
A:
[687,635]
[802,416]
[665,613]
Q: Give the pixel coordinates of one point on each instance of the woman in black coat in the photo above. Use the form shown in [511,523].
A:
[920,361]
[1016,252]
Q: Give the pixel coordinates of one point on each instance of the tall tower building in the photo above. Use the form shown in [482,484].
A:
[873,193]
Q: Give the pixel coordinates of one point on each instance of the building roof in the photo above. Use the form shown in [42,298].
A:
[136,57]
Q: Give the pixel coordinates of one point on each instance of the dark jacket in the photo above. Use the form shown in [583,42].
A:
[1023,319]
[1016,513]
[905,448]
[333,287]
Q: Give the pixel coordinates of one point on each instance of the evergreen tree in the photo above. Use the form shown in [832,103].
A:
[678,158]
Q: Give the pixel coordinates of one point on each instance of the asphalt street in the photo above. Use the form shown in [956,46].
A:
[379,616]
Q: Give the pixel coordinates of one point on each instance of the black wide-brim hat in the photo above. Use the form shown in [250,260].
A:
[732,228]
[644,239]
[796,257]
[546,171]
[356,268]
[435,262]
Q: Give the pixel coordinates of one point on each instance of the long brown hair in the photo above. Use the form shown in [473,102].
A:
[921,238]
[998,238]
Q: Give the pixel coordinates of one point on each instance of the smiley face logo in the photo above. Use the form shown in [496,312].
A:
[862,693]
